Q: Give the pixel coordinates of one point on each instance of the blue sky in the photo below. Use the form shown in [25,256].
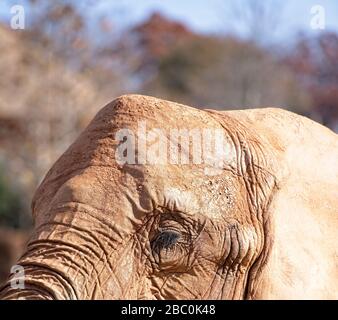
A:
[207,16]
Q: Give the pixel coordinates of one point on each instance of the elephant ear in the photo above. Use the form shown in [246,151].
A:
[301,218]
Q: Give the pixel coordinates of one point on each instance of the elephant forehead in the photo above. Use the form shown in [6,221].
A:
[189,190]
[93,187]
[181,200]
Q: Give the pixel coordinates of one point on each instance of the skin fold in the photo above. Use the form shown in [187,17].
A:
[263,226]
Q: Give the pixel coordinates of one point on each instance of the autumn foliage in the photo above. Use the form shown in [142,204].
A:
[56,75]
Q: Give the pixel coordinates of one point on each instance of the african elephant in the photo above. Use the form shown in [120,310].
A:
[115,219]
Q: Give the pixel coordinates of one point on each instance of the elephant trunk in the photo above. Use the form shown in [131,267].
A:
[37,278]
[32,287]
[61,262]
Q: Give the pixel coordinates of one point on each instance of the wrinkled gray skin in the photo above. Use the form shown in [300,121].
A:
[264,226]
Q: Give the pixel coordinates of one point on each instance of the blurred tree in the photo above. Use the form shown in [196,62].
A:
[60,27]
[10,204]
[42,108]
[12,244]
[315,62]
[209,71]
[157,35]
[53,82]
[140,48]
[173,62]
[251,19]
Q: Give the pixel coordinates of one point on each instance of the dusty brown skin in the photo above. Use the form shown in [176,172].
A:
[263,228]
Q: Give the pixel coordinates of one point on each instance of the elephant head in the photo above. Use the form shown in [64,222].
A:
[144,205]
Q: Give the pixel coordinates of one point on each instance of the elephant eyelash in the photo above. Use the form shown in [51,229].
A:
[167,239]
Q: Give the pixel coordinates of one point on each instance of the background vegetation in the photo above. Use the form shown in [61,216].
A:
[70,61]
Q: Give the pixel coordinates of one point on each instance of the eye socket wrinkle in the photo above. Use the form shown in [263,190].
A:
[167,239]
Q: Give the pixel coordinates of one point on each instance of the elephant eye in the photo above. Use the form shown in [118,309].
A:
[166,240]
[170,251]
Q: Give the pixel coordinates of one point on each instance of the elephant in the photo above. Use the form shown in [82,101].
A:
[115,219]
